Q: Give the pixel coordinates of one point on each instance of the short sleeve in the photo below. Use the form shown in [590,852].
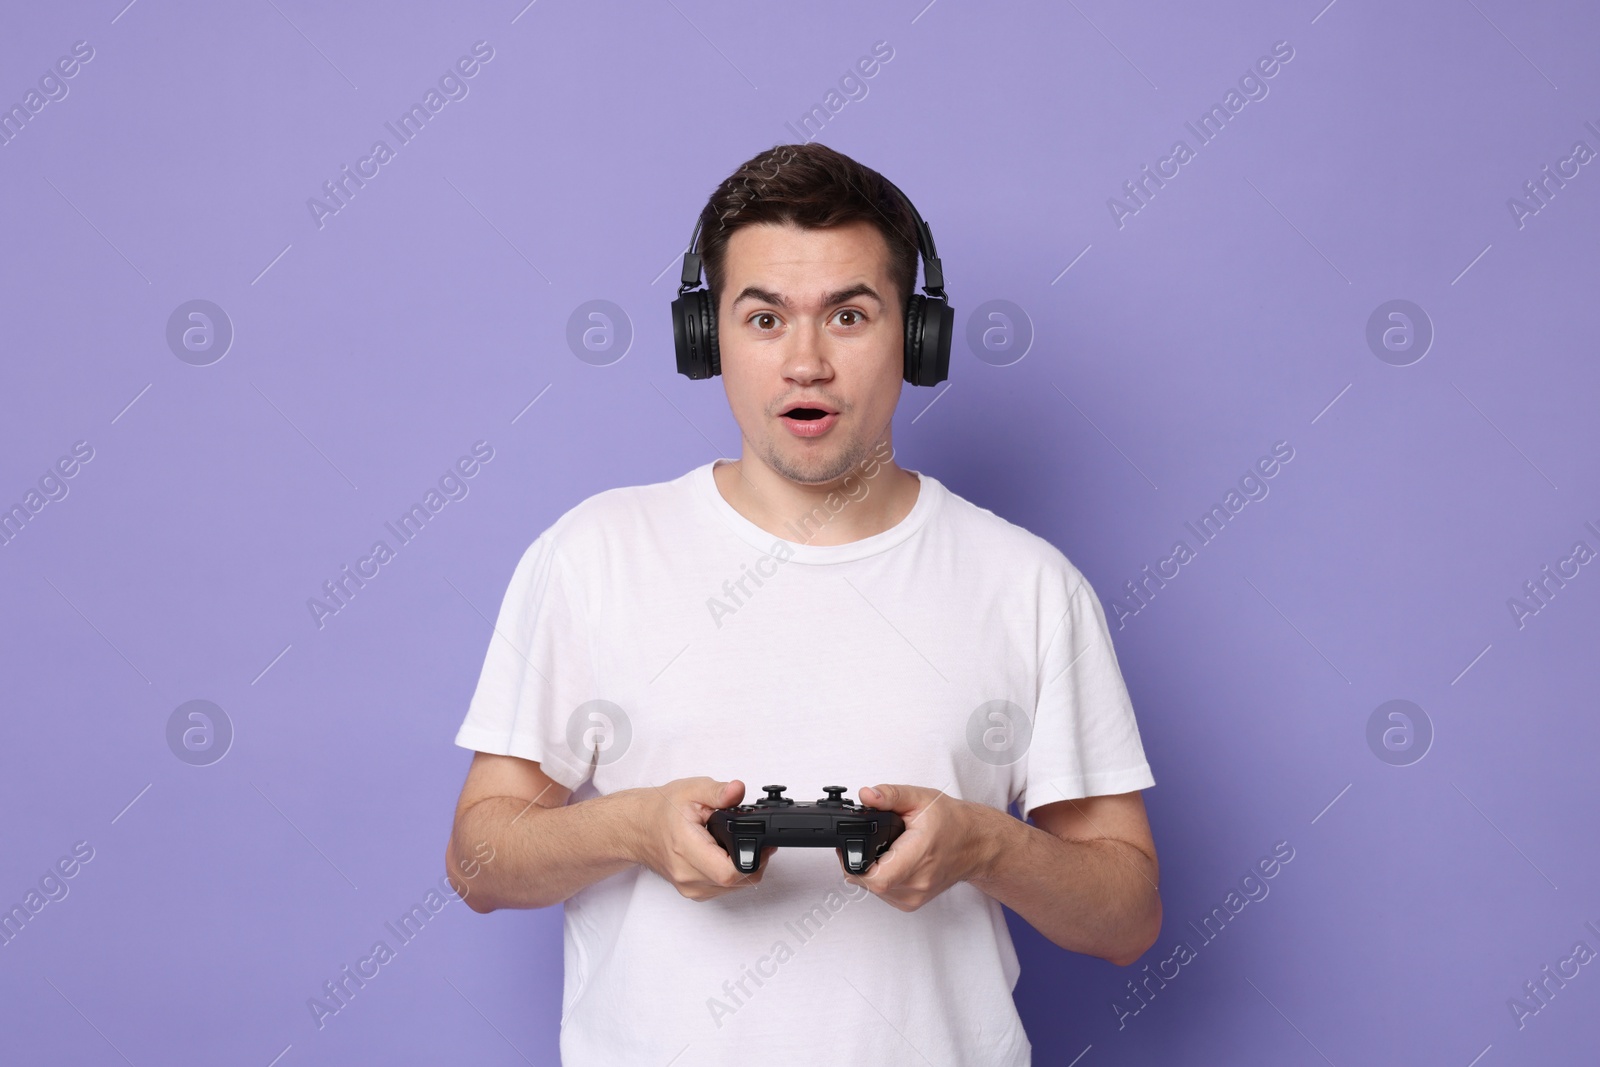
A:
[1085,739]
[537,671]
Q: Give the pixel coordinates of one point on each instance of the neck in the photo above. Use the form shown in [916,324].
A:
[871,498]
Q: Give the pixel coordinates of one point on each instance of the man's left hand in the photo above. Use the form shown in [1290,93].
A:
[945,841]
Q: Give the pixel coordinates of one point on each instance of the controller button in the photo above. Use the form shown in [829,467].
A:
[854,855]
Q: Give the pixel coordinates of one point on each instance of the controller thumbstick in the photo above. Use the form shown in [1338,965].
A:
[835,793]
[774,792]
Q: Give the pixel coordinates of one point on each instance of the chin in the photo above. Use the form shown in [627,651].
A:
[818,465]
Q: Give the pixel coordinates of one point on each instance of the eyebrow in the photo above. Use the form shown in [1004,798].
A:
[752,292]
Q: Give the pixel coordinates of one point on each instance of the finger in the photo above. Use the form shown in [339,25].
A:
[867,879]
[895,798]
[714,793]
[709,796]
[717,867]
[872,883]
[688,800]
[705,855]
[753,878]
[719,878]
[889,869]
[703,891]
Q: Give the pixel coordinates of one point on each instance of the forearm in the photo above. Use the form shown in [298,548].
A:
[1097,897]
[541,856]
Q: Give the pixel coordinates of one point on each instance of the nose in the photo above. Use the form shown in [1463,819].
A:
[805,357]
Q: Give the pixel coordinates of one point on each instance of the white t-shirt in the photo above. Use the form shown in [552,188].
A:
[654,633]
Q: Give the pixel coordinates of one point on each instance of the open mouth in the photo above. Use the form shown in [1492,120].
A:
[808,420]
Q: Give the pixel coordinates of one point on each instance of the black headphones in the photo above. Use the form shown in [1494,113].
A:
[929,319]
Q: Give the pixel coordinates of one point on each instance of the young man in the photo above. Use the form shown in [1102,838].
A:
[809,614]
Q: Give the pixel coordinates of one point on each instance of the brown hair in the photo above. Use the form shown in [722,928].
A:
[814,187]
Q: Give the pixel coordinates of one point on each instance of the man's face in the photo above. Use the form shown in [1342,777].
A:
[809,319]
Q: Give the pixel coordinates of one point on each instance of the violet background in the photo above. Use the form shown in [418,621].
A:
[369,354]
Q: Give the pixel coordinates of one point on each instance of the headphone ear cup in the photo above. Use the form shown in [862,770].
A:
[929,321]
[709,314]
[913,347]
[937,331]
[694,335]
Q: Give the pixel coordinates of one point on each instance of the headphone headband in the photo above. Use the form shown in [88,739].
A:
[932,270]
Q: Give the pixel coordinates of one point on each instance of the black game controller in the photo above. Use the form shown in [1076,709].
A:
[861,834]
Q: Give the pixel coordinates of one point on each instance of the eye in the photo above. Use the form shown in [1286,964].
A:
[764,320]
[856,317]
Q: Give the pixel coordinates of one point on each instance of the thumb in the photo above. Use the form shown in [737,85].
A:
[886,797]
[708,792]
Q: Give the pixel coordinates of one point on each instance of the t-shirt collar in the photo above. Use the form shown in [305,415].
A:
[929,495]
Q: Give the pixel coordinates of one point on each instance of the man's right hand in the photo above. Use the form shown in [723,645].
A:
[674,842]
